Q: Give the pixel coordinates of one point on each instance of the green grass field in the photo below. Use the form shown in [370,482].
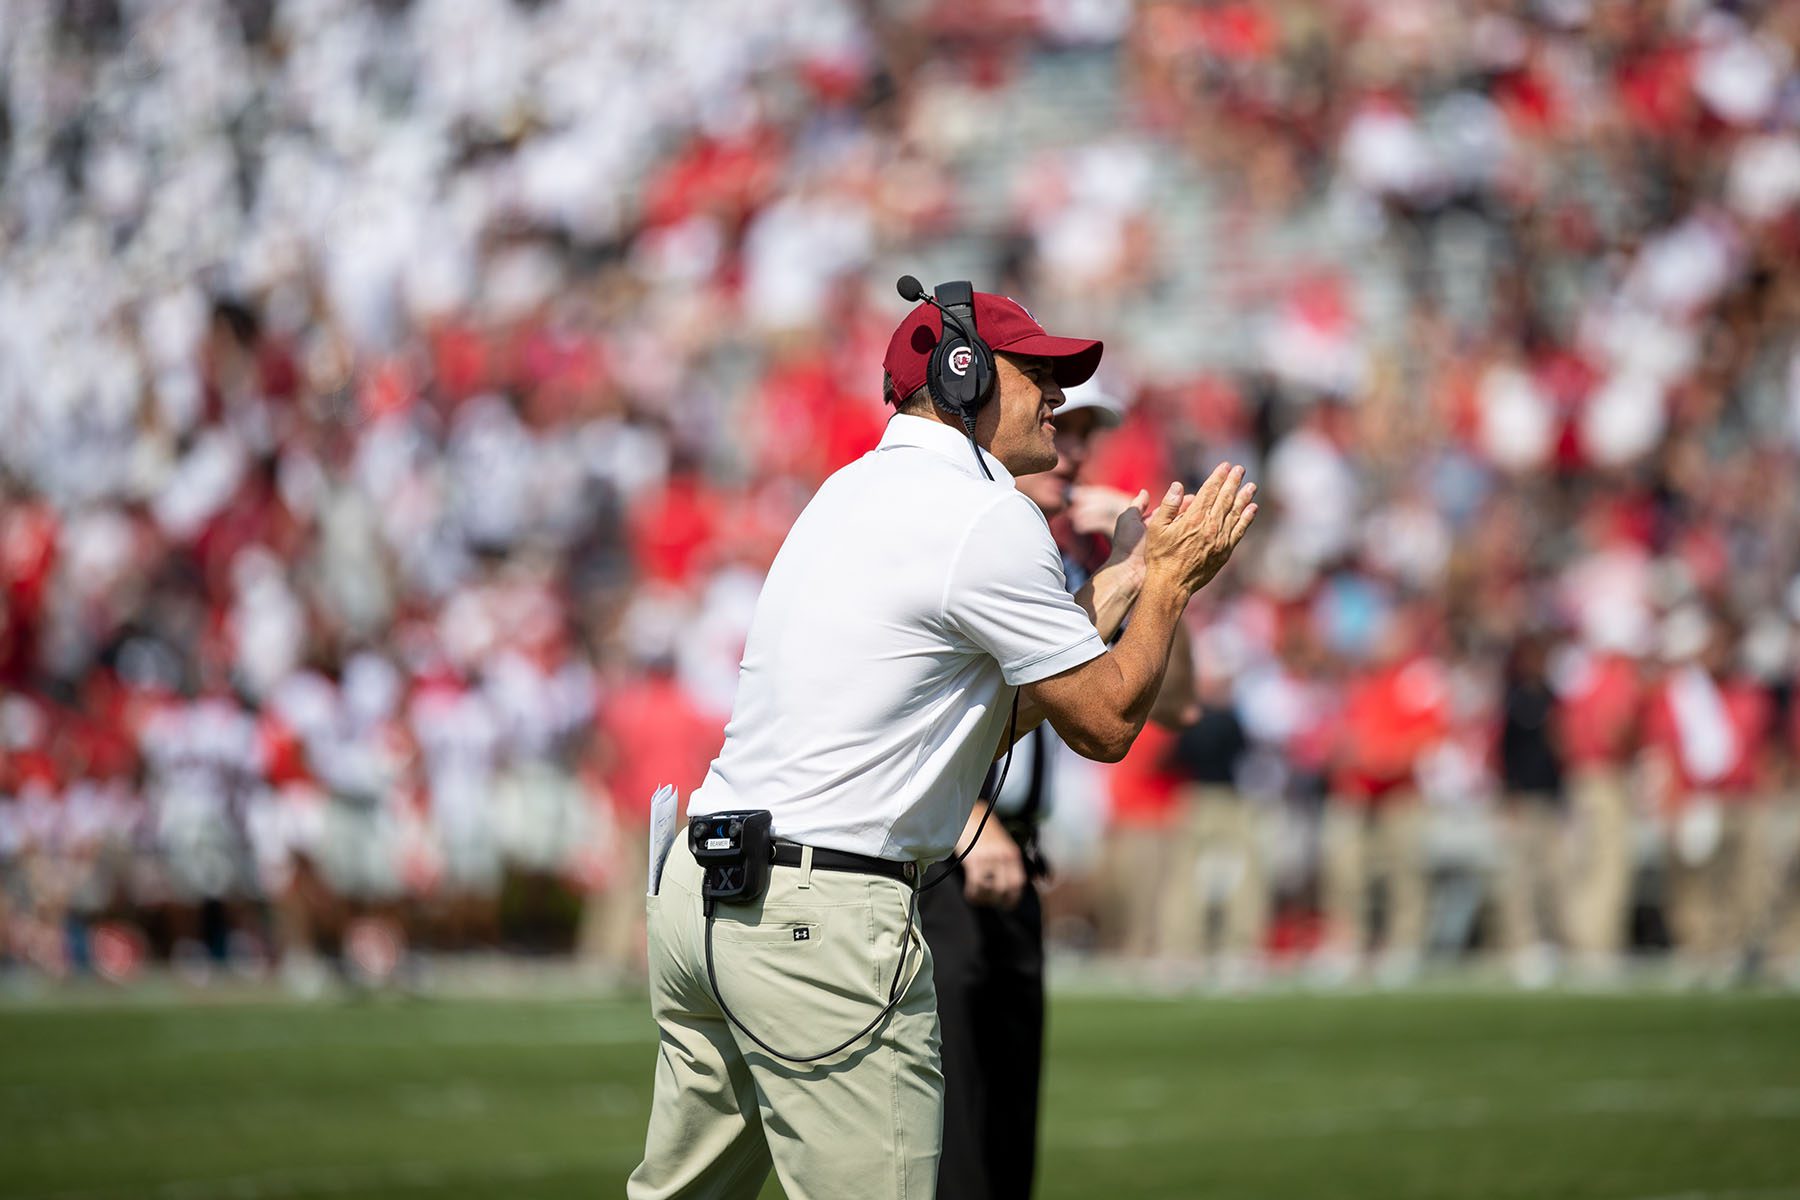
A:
[1389,1097]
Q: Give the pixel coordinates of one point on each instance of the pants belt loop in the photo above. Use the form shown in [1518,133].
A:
[806,866]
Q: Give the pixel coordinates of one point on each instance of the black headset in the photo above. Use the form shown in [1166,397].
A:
[960,375]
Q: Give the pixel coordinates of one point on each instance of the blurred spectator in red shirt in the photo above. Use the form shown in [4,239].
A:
[1781,936]
[672,531]
[651,734]
[1394,711]
[1707,728]
[1137,864]
[1598,723]
[28,536]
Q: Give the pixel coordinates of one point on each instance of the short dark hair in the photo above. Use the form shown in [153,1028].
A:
[914,405]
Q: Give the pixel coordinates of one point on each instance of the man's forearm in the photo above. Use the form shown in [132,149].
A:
[1142,654]
[1109,594]
[1106,598]
[1100,709]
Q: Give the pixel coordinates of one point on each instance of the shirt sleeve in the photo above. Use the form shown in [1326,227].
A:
[1006,595]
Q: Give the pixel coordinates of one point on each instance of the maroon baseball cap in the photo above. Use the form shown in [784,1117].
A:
[1003,324]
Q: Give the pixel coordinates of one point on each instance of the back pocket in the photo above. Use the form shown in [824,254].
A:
[776,925]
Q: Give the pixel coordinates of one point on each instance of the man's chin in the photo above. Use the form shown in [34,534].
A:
[1030,459]
[1042,459]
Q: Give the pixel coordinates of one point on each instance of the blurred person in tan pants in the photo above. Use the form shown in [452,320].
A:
[1599,697]
[1707,730]
[1394,711]
[1779,938]
[1533,874]
[1136,862]
[1216,844]
[1139,861]
[650,732]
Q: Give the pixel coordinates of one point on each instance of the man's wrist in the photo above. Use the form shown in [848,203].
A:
[1162,589]
[1126,571]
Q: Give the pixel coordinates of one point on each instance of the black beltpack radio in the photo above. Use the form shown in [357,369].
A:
[735,850]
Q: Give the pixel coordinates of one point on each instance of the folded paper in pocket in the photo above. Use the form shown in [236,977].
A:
[663,807]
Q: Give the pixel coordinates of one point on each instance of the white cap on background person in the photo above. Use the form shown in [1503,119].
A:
[1108,411]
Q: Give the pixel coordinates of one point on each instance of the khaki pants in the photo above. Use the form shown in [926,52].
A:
[1601,863]
[1361,844]
[1532,876]
[1217,858]
[1781,935]
[1716,901]
[1136,869]
[805,967]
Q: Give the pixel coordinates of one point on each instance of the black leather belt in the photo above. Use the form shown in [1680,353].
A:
[787,854]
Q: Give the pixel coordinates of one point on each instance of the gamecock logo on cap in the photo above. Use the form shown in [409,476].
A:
[961,359]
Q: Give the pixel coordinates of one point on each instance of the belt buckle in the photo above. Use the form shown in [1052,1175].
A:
[909,870]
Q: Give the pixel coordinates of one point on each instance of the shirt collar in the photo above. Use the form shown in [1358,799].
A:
[904,429]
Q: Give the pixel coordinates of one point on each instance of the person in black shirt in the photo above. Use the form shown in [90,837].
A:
[986,927]
[1534,864]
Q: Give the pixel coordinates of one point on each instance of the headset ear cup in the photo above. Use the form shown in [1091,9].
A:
[960,374]
[957,376]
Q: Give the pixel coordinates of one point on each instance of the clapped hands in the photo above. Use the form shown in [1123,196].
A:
[1187,539]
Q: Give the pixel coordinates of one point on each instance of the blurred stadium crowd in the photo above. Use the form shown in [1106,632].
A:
[401,401]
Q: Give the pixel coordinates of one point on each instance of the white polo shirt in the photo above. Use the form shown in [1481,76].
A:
[910,600]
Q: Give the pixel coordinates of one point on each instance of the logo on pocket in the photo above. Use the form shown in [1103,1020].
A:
[803,933]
